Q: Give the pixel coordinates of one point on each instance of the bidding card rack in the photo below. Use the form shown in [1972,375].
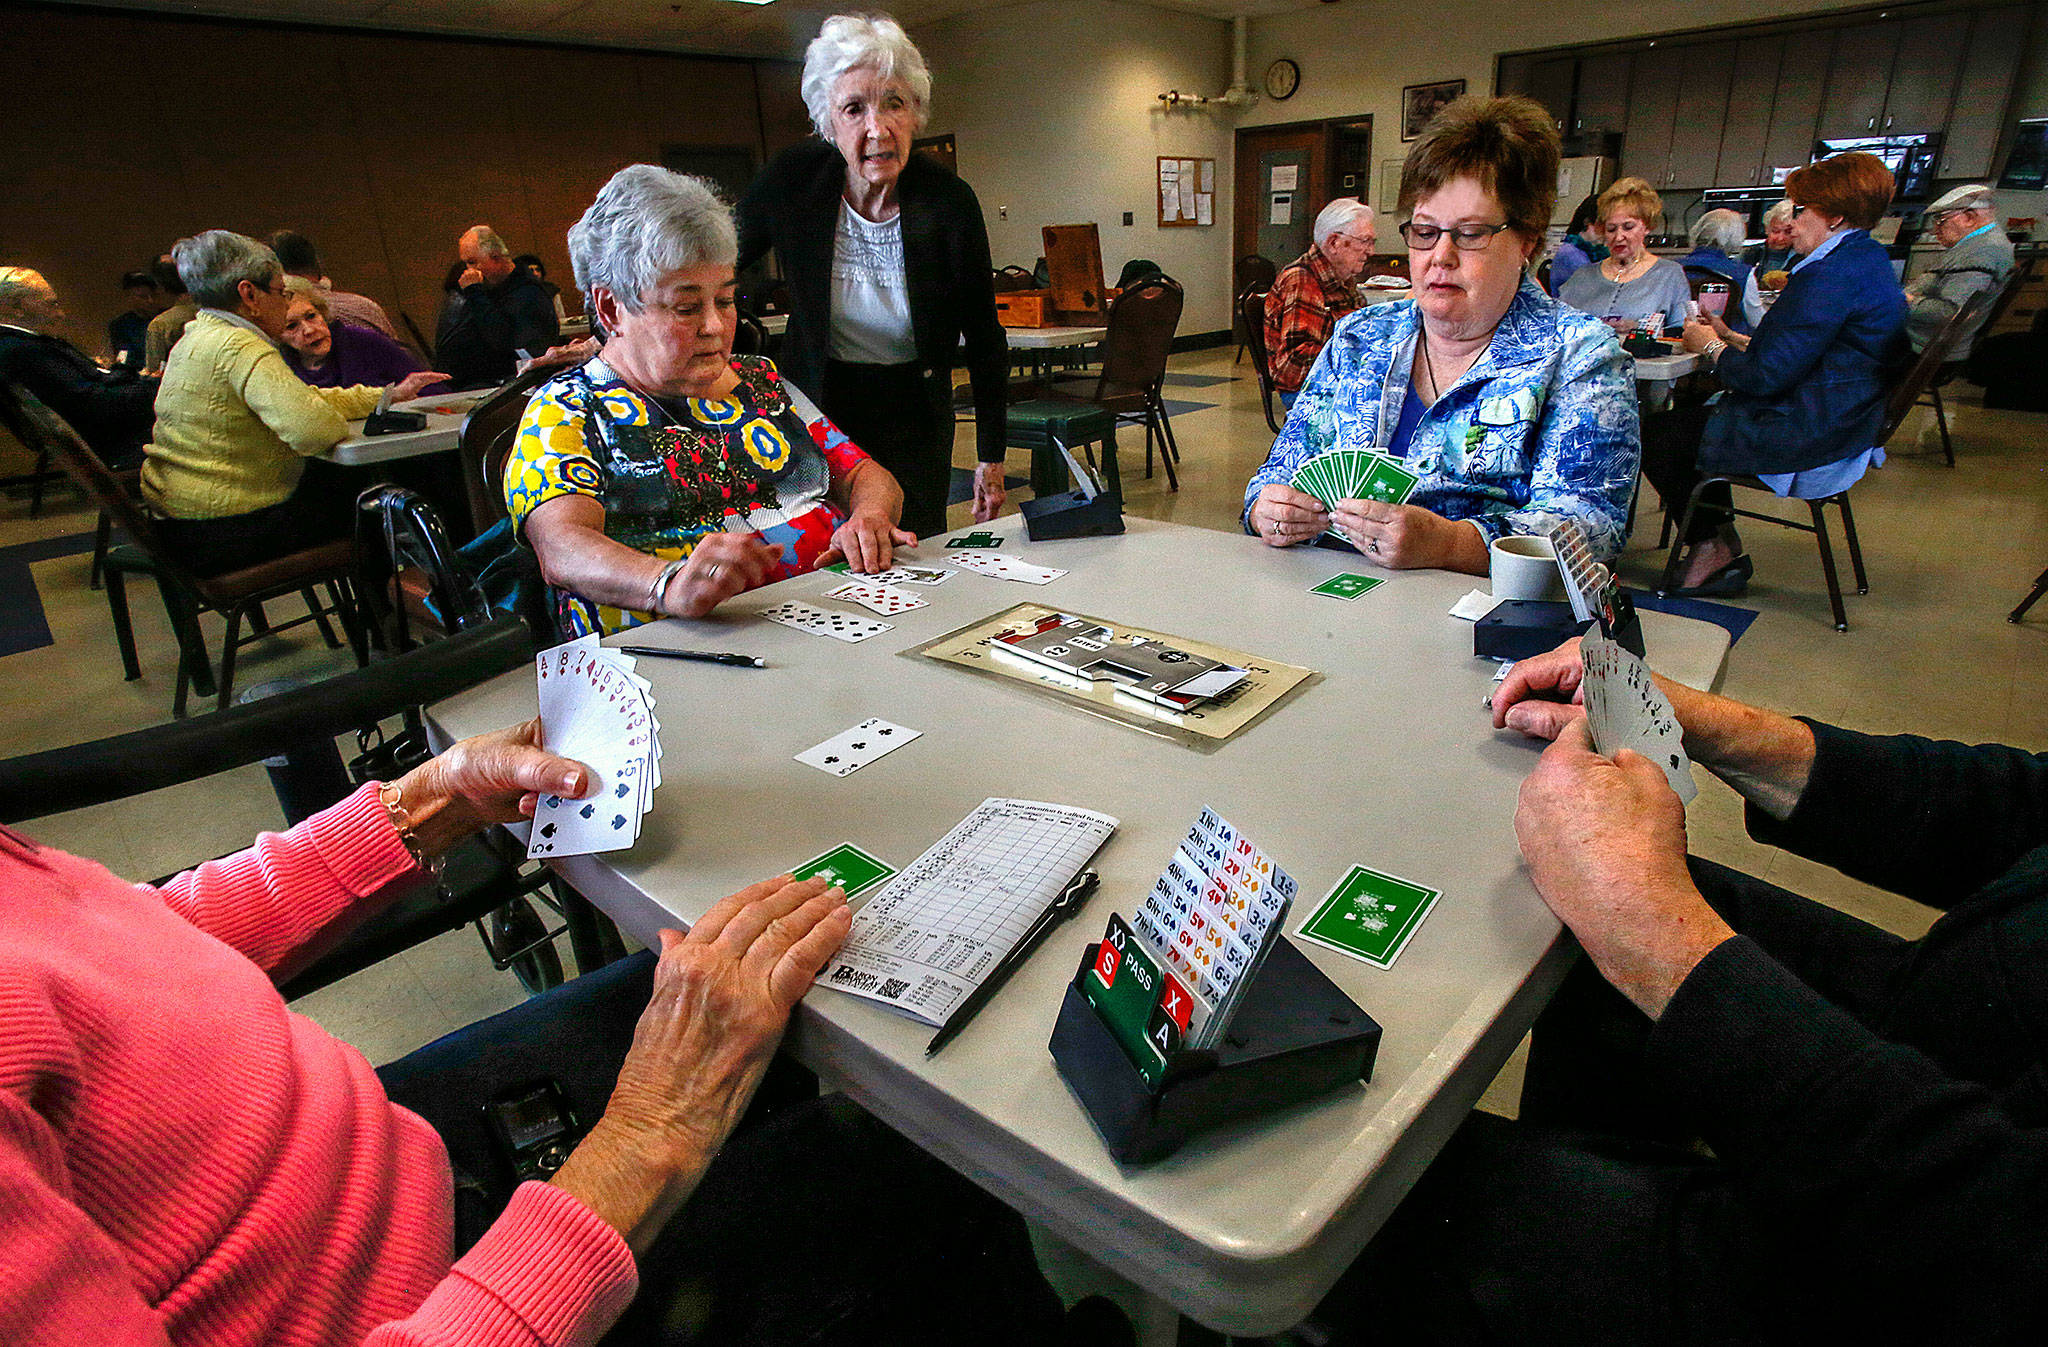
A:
[1203,725]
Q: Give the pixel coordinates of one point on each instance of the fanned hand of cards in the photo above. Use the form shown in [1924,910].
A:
[595,709]
[1626,709]
[1354,474]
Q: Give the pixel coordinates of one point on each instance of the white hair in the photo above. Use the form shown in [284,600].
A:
[1720,230]
[850,42]
[1779,214]
[214,264]
[1336,217]
[20,287]
[646,222]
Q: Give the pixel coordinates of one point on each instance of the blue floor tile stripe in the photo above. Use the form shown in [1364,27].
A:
[22,623]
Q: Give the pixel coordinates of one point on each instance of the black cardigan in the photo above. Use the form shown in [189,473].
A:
[1906,1198]
[793,207]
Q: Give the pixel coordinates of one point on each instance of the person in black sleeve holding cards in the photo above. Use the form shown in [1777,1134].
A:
[1750,1117]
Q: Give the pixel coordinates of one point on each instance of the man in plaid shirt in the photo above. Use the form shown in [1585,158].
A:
[1316,289]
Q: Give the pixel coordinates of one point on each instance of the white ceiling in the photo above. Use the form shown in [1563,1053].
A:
[780,28]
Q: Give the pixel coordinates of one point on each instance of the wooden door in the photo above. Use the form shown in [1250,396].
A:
[1602,101]
[1267,155]
[1748,123]
[1802,79]
[1703,100]
[1990,64]
[1652,111]
[1924,76]
[1859,76]
[1550,83]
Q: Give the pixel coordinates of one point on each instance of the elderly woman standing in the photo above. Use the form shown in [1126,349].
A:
[888,266]
[1631,283]
[1715,240]
[1806,393]
[1515,411]
[227,466]
[665,475]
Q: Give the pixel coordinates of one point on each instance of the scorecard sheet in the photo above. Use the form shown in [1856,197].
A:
[925,942]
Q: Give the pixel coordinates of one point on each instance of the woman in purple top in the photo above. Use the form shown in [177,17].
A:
[327,354]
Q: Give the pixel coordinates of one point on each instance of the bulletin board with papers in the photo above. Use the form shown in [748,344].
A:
[1187,192]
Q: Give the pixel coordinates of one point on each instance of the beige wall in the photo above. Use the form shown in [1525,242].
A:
[1055,108]
[127,131]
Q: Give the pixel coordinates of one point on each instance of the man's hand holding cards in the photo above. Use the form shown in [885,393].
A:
[595,709]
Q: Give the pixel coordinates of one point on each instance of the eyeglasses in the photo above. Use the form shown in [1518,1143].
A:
[1469,238]
[1365,240]
[1798,210]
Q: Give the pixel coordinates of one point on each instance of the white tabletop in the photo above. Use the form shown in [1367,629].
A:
[1665,368]
[775,324]
[1047,338]
[1391,762]
[1380,294]
[443,431]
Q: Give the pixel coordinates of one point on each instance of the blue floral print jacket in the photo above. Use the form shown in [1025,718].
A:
[1543,427]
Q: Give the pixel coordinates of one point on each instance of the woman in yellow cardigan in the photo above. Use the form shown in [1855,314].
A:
[227,467]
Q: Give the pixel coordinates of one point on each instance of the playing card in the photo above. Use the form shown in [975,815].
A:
[1347,586]
[850,750]
[1370,915]
[1626,709]
[820,622]
[847,866]
[877,597]
[1001,567]
[595,709]
[911,575]
[1388,481]
[976,540]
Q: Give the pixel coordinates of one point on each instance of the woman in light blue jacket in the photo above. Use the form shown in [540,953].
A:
[1514,410]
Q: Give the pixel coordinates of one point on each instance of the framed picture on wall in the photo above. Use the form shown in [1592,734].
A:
[1390,185]
[1420,102]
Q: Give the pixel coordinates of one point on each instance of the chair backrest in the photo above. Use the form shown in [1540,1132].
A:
[1252,270]
[1695,277]
[1251,312]
[749,336]
[1137,269]
[1921,373]
[489,428]
[2007,292]
[1142,321]
[43,431]
[398,532]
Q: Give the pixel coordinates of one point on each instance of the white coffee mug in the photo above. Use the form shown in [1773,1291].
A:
[1525,567]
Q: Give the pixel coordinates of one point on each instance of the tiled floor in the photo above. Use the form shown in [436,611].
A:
[1949,550]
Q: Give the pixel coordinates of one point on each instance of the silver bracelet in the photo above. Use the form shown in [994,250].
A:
[1713,351]
[656,590]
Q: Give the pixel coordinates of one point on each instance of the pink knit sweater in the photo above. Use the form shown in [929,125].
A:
[183,1160]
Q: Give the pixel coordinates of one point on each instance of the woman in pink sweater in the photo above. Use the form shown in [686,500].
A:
[183,1160]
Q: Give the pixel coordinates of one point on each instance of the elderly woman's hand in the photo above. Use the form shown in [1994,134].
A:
[1282,516]
[492,778]
[408,388]
[723,564]
[1408,537]
[722,995]
[868,541]
[569,353]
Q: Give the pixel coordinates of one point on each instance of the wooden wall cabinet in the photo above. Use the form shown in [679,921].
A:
[1802,74]
[1991,62]
[1746,128]
[1652,113]
[1602,102]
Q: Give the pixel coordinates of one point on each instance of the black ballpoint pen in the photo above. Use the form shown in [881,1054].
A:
[702,656]
[1070,901]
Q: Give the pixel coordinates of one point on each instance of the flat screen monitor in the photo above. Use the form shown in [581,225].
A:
[2026,170]
[1910,158]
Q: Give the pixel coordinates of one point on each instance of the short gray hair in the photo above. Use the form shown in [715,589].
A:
[1336,217]
[214,264]
[646,222]
[1720,230]
[1781,213]
[850,42]
[487,241]
[20,287]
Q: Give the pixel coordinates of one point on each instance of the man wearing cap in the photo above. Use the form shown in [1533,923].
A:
[1977,257]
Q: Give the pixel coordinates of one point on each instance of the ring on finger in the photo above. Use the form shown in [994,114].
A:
[1373,547]
[716,567]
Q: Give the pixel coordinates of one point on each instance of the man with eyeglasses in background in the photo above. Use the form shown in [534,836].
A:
[1316,289]
[1977,256]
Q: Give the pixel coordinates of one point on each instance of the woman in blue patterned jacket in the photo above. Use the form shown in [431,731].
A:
[1514,410]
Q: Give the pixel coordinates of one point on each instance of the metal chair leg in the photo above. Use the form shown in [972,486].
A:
[319,612]
[1855,549]
[227,658]
[1948,449]
[1827,564]
[102,536]
[193,665]
[2033,595]
[259,621]
[1167,453]
[35,487]
[124,630]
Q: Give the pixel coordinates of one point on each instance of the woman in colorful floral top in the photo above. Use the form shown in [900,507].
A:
[1515,411]
[664,476]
